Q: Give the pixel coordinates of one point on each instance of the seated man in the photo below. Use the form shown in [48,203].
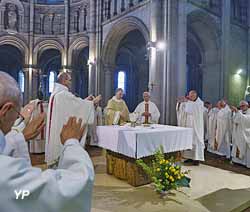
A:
[148,109]
[223,131]
[68,188]
[241,135]
[117,110]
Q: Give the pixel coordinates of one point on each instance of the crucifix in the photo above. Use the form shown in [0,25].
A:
[146,113]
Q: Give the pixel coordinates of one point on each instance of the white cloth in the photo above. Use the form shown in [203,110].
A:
[16,146]
[62,105]
[241,137]
[223,131]
[211,130]
[140,141]
[155,114]
[98,121]
[37,145]
[68,188]
[190,114]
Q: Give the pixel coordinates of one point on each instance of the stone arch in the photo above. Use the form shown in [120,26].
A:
[119,30]
[44,45]
[76,46]
[111,45]
[18,43]
[205,33]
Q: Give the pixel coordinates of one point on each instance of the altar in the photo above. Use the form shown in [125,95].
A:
[125,144]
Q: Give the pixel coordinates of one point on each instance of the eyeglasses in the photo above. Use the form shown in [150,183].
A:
[20,118]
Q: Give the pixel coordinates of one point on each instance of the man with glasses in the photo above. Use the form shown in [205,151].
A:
[241,134]
[69,188]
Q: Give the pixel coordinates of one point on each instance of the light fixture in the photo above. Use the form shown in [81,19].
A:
[239,71]
[160,45]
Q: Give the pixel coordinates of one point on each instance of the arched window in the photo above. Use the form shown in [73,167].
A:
[121,80]
[21,80]
[51,81]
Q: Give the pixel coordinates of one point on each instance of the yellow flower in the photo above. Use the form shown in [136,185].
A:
[176,173]
[173,170]
[177,167]
[166,174]
[166,168]
[178,177]
[167,161]
[182,175]
[158,169]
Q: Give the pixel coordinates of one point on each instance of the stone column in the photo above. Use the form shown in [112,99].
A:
[156,56]
[92,50]
[248,48]
[26,86]
[175,57]
[99,66]
[108,84]
[66,34]
[31,45]
[35,82]
[225,48]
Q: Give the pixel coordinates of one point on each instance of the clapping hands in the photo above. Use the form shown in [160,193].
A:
[34,127]
[72,130]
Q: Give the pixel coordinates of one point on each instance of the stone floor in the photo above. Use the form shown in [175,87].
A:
[212,189]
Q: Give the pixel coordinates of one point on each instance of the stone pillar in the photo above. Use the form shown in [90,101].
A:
[156,56]
[92,49]
[175,57]
[248,48]
[99,41]
[35,83]
[108,84]
[225,48]
[66,34]
[26,86]
[29,70]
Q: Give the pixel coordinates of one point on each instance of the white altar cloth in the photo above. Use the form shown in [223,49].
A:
[141,141]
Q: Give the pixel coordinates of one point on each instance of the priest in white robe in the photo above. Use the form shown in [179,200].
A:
[190,114]
[212,125]
[241,135]
[152,113]
[37,145]
[222,144]
[68,188]
[62,105]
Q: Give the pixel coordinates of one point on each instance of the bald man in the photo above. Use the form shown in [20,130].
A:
[62,105]
[241,134]
[152,111]
[190,111]
[68,188]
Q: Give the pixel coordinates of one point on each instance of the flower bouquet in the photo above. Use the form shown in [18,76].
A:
[166,174]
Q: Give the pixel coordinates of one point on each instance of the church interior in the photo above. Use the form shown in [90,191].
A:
[164,47]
